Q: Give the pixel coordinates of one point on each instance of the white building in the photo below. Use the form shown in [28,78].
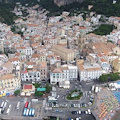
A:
[88,72]
[103,63]
[95,20]
[29,51]
[114,36]
[3,59]
[25,50]
[65,73]
[15,62]
[31,76]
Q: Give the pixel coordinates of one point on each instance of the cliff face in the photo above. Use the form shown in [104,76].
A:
[64,2]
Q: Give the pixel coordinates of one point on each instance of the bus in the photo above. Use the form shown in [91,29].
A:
[96,89]
[2,105]
[29,105]
[93,87]
[26,104]
[5,104]
[0,111]
[18,105]
[8,110]
[30,112]
[10,106]
[33,112]
[24,112]
[27,112]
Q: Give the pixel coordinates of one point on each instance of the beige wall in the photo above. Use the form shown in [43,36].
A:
[116,50]
[10,84]
[65,54]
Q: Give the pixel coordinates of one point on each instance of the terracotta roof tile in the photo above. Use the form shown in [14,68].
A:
[14,59]
[57,70]
[8,76]
[27,86]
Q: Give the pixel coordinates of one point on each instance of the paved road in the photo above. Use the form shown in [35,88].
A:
[74,85]
[40,108]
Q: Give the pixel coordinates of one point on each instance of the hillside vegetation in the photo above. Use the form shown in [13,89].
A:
[105,7]
[104,29]
[6,16]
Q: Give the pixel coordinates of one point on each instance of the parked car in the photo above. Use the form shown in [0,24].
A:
[74,112]
[79,112]
[90,103]
[72,105]
[79,105]
[86,112]
[89,111]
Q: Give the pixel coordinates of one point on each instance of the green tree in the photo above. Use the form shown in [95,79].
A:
[104,29]
[38,94]
[48,88]
[114,76]
[17,92]
[104,78]
[36,85]
[110,77]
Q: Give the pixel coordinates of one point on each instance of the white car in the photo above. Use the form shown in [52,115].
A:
[89,92]
[85,105]
[79,105]
[79,112]
[58,96]
[74,105]
[79,118]
[89,111]
[86,112]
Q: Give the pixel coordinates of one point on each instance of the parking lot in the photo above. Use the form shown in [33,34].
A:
[16,113]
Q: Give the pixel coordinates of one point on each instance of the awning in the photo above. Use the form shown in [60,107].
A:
[4,94]
[28,94]
[22,94]
[7,94]
[41,89]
